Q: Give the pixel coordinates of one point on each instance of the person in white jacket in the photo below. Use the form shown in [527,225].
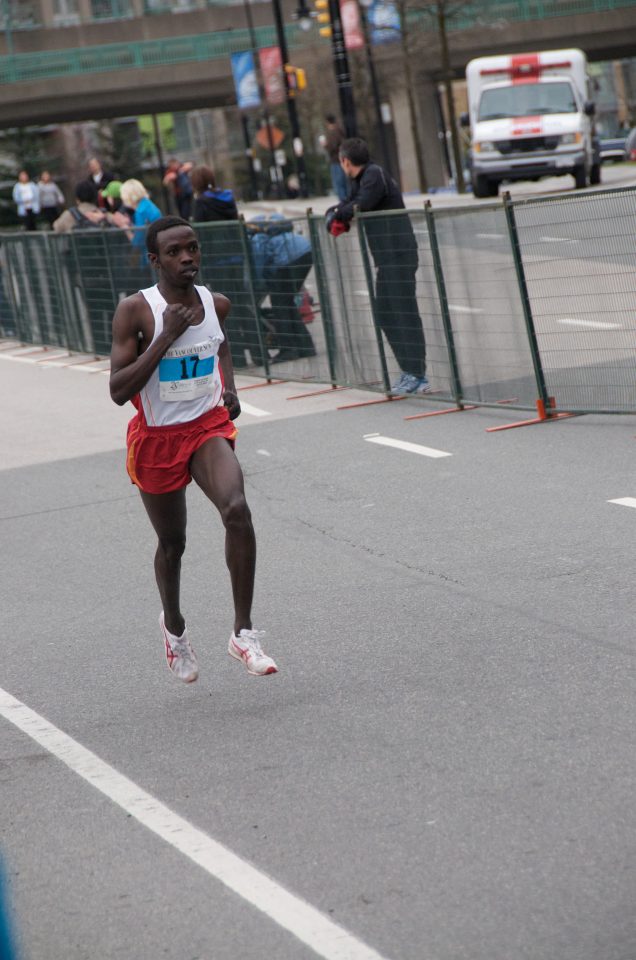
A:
[26,196]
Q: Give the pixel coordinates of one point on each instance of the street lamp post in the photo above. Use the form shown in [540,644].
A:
[375,89]
[272,155]
[341,67]
[292,112]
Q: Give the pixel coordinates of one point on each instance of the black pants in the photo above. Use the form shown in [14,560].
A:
[398,315]
[283,286]
[241,324]
[29,221]
[50,214]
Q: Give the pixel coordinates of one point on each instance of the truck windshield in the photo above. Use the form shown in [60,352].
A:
[527,100]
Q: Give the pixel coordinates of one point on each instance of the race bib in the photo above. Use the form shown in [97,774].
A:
[186,373]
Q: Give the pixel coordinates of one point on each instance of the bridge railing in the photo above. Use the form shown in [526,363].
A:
[497,303]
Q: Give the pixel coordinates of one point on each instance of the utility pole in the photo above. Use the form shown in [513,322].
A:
[341,67]
[375,89]
[292,112]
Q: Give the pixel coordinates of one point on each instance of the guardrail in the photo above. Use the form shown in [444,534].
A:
[518,303]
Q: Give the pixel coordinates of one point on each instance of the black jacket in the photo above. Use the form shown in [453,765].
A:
[391,239]
[215,205]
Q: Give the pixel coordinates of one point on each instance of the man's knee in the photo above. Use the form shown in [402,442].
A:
[235,512]
[173,546]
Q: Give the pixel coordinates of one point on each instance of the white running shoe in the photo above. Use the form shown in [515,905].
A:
[409,383]
[180,656]
[247,647]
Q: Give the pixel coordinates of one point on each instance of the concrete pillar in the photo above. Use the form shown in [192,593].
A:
[428,135]
[46,13]
[85,10]
[429,131]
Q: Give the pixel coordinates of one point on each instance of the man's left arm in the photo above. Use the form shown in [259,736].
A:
[230,396]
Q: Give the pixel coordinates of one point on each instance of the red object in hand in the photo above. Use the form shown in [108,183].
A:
[337,227]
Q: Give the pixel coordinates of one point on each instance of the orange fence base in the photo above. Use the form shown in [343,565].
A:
[440,413]
[256,386]
[317,393]
[544,417]
[369,403]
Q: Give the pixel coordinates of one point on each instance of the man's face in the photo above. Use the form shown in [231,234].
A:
[93,166]
[346,165]
[179,256]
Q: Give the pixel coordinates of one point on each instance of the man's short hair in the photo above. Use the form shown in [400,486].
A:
[163,223]
[86,192]
[355,150]
[330,118]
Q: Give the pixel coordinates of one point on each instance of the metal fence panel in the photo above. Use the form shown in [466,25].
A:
[281,280]
[485,306]
[34,289]
[579,258]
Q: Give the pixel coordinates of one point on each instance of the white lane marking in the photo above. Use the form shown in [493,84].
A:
[362,293]
[557,240]
[254,411]
[264,453]
[86,368]
[318,932]
[592,324]
[460,309]
[625,502]
[490,236]
[367,435]
[409,447]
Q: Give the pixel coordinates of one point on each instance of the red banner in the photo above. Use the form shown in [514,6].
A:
[272,70]
[351,26]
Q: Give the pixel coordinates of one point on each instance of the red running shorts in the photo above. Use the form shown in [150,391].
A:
[159,457]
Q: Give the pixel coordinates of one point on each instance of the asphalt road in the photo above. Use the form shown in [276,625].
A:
[444,766]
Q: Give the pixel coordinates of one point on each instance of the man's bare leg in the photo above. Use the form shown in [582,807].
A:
[168,515]
[216,470]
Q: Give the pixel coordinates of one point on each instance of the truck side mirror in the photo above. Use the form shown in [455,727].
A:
[464,120]
[589,108]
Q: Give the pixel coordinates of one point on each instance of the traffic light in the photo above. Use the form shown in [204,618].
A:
[296,78]
[324,17]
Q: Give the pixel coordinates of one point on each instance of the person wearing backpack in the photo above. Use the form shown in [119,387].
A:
[85,214]
[394,250]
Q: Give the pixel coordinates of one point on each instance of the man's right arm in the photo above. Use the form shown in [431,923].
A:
[130,371]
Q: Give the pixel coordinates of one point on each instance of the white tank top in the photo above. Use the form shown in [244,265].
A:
[187,382]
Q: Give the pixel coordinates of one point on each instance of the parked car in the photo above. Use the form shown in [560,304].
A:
[613,148]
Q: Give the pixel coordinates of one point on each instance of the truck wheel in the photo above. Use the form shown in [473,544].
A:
[481,187]
[493,188]
[580,178]
[595,174]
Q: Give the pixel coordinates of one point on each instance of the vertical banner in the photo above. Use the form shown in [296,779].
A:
[351,26]
[272,70]
[384,21]
[245,82]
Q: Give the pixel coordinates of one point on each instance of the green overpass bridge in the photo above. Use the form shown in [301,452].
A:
[119,59]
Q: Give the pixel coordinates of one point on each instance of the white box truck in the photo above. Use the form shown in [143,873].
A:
[531,115]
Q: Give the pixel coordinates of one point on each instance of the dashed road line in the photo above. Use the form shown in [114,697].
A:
[318,932]
[459,308]
[254,411]
[406,445]
[625,502]
[557,240]
[591,324]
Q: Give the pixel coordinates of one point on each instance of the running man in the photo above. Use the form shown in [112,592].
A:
[171,359]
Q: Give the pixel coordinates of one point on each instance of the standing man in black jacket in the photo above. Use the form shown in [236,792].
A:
[394,250]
